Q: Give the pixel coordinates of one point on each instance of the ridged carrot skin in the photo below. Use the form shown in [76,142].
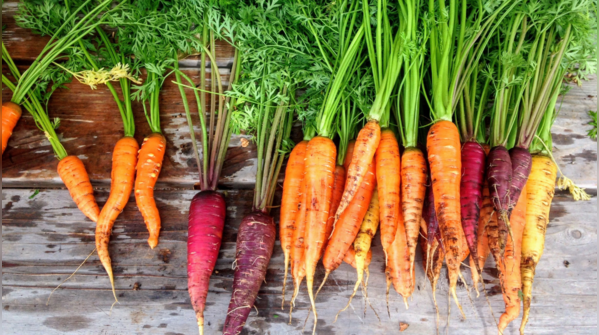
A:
[320,165]
[473,170]
[521,165]
[294,174]
[348,225]
[364,150]
[338,187]
[149,165]
[414,174]
[540,190]
[499,179]
[205,231]
[11,113]
[72,172]
[509,266]
[350,257]
[255,244]
[482,240]
[388,176]
[445,158]
[124,160]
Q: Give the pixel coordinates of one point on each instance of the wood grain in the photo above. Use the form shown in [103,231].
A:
[45,238]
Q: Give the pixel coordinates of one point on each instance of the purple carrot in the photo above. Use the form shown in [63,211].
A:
[205,223]
[499,178]
[430,217]
[521,165]
[471,189]
[255,243]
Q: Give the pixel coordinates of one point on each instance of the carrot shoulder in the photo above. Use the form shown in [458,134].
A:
[149,165]
[72,172]
[444,156]
[124,160]
[11,113]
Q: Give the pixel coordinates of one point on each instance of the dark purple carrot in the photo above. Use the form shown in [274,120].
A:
[521,165]
[499,178]
[473,170]
[430,217]
[206,222]
[255,243]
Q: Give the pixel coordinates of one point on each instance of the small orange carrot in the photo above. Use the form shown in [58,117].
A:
[11,113]
[321,155]
[509,266]
[294,174]
[149,165]
[298,271]
[444,156]
[124,161]
[388,183]
[364,150]
[414,175]
[72,172]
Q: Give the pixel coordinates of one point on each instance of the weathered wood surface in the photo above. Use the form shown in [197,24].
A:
[44,239]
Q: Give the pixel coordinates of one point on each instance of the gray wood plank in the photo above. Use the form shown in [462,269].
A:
[45,239]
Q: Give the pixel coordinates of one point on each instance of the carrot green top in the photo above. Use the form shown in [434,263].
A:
[459,36]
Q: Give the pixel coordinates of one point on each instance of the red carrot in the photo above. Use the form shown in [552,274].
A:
[473,168]
[499,178]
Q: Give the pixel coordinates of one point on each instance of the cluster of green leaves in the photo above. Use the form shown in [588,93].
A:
[541,42]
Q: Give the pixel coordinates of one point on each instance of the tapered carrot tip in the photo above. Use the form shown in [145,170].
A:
[405,301]
[153,242]
[201,324]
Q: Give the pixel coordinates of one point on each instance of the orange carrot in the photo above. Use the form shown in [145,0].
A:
[348,225]
[72,172]
[124,160]
[338,187]
[388,184]
[509,266]
[321,155]
[486,211]
[364,150]
[11,113]
[413,190]
[444,156]
[398,263]
[294,174]
[148,168]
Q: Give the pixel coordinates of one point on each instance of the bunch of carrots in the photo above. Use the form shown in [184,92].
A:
[422,122]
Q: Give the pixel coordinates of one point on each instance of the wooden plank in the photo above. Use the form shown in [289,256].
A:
[45,239]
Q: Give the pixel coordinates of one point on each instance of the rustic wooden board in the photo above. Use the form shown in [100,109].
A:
[91,126]
[45,238]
